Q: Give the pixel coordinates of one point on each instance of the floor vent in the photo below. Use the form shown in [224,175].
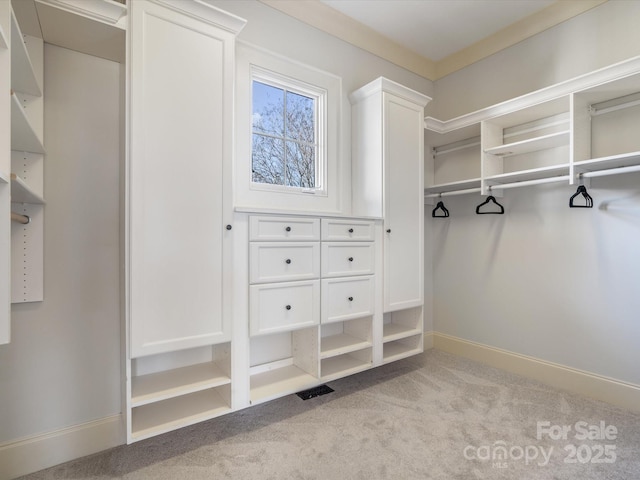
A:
[314,392]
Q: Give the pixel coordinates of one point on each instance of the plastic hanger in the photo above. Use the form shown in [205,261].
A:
[440,206]
[588,200]
[490,198]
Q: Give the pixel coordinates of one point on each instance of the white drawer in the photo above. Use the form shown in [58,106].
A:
[347,298]
[347,259]
[347,230]
[280,262]
[279,307]
[263,228]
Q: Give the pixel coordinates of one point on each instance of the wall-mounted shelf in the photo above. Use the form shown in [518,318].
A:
[582,127]
[23,136]
[23,77]
[22,193]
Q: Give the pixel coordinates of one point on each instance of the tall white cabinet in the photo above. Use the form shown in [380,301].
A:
[179,225]
[388,176]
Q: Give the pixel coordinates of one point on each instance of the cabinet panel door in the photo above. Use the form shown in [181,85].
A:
[403,204]
[180,68]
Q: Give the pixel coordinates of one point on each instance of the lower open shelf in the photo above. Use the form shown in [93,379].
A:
[160,417]
[277,382]
[398,349]
[346,364]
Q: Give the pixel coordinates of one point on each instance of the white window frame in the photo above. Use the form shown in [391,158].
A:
[333,161]
[320,97]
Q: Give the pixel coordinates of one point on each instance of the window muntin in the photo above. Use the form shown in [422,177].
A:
[287,134]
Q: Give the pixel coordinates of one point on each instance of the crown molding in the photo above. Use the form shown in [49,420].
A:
[333,22]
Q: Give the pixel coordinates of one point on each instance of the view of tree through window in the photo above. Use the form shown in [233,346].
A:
[284,137]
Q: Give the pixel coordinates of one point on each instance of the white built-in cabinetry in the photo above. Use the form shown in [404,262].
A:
[387,171]
[312,301]
[21,168]
[179,220]
[569,132]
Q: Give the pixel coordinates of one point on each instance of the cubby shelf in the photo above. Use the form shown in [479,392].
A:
[536,144]
[341,366]
[399,349]
[396,331]
[172,383]
[22,193]
[161,417]
[340,344]
[23,78]
[275,383]
[23,136]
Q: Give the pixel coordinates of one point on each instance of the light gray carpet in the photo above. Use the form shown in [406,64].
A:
[427,417]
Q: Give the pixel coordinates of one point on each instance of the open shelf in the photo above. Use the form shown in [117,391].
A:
[453,186]
[21,193]
[531,174]
[346,364]
[4,178]
[23,136]
[395,331]
[536,144]
[606,163]
[340,344]
[160,417]
[397,349]
[23,78]
[172,383]
[278,382]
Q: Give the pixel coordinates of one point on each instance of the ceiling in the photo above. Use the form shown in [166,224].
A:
[436,29]
[433,38]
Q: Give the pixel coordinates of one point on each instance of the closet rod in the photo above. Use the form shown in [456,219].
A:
[611,171]
[453,192]
[23,219]
[614,104]
[526,183]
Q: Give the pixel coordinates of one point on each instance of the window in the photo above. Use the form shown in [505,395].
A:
[287,149]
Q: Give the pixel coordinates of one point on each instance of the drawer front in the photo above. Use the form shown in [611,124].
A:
[344,299]
[347,259]
[284,229]
[280,262]
[347,230]
[280,307]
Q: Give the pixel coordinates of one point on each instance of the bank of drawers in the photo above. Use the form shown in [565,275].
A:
[304,271]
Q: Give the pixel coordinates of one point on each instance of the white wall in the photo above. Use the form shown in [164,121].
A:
[544,280]
[62,366]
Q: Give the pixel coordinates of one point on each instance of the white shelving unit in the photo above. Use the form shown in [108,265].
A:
[402,334]
[345,347]
[27,165]
[581,128]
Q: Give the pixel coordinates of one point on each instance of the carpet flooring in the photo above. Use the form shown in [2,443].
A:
[432,416]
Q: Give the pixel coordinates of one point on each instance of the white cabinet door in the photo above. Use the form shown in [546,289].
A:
[180,107]
[403,203]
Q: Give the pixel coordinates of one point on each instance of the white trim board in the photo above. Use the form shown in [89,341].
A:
[615,392]
[46,450]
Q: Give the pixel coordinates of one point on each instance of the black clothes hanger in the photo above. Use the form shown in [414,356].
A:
[588,200]
[440,206]
[490,198]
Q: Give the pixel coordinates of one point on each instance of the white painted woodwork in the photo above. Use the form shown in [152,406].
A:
[399,349]
[23,134]
[388,181]
[334,229]
[23,76]
[342,259]
[346,364]
[277,307]
[178,297]
[5,169]
[401,324]
[347,298]
[280,262]
[264,228]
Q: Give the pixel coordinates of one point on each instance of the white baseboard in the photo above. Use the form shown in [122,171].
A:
[35,453]
[428,340]
[615,392]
